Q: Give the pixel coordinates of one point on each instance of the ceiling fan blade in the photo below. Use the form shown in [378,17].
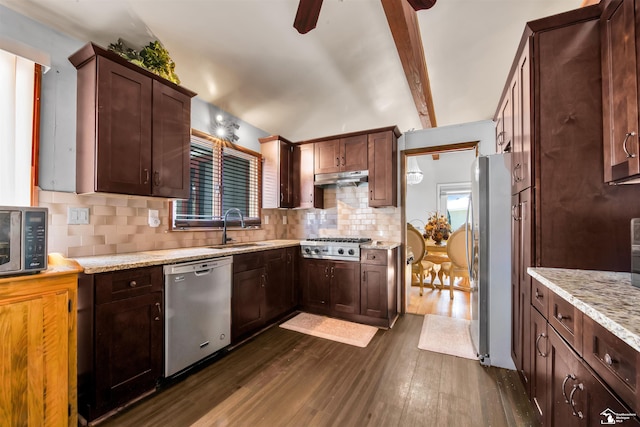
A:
[307,15]
[421,4]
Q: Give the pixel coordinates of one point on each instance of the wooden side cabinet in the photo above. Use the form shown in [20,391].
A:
[39,353]
[120,351]
[133,128]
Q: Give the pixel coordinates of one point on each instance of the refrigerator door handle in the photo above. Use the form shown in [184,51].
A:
[466,237]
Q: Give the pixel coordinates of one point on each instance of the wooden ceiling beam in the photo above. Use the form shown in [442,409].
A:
[403,22]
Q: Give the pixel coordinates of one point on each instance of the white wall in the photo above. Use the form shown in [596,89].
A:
[421,199]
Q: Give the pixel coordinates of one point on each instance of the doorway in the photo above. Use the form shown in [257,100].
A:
[444,188]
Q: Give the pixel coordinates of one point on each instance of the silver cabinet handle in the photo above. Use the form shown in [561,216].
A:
[542,335]
[560,317]
[500,138]
[337,161]
[624,145]
[608,359]
[576,413]
[146,176]
[564,383]
[133,284]
[159,311]
[516,178]
[156,178]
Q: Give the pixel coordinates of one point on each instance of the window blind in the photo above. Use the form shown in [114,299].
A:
[223,176]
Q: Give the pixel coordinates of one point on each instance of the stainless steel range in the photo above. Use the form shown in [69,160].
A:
[336,248]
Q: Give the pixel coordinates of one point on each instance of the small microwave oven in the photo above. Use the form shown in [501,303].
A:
[23,240]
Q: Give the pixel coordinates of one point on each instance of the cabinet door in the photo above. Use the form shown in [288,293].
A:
[315,281]
[538,374]
[279,283]
[123,130]
[373,285]
[504,125]
[35,361]
[619,90]
[521,125]
[129,341]
[345,287]
[171,142]
[286,166]
[353,153]
[305,194]
[382,153]
[516,306]
[327,156]
[247,302]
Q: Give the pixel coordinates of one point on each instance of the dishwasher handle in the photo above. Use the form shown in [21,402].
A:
[203,272]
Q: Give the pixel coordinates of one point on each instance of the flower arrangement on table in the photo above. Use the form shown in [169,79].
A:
[437,228]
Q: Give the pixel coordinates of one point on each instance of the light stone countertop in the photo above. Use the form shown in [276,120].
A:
[377,244]
[115,262]
[606,297]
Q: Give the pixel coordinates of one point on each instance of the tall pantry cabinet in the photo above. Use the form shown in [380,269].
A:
[563,213]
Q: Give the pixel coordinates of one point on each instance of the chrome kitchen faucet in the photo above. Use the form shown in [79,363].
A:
[224,224]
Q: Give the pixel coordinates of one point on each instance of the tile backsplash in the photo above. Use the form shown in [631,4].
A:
[119,224]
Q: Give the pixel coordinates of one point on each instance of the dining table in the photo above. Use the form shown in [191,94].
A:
[437,254]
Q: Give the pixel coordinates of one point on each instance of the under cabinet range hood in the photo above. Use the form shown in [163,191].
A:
[341,179]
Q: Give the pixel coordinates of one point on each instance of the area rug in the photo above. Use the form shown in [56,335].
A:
[447,335]
[331,329]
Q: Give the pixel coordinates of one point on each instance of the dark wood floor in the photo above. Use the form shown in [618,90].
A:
[285,378]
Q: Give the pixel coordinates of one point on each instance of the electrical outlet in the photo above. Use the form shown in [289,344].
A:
[77,216]
[266,220]
[284,220]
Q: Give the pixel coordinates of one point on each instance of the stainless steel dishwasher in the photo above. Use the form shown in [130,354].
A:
[197,311]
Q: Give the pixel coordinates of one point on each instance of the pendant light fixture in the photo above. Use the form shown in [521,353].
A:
[414,174]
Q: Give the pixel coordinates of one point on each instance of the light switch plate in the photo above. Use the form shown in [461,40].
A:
[154,219]
[77,216]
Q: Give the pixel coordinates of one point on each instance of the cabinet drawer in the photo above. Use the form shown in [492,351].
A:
[540,297]
[123,284]
[567,320]
[614,360]
[373,256]
[249,261]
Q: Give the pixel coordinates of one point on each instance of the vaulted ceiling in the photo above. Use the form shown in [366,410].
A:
[245,57]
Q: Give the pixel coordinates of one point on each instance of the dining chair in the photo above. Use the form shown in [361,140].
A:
[458,267]
[415,244]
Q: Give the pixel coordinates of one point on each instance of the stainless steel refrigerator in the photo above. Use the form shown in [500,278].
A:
[490,259]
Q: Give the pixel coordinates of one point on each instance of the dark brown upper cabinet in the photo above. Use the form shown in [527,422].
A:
[133,128]
[619,48]
[383,167]
[348,153]
[277,172]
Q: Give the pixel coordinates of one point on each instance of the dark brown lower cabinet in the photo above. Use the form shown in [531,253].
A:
[538,373]
[120,339]
[576,396]
[344,287]
[263,289]
[330,287]
[364,291]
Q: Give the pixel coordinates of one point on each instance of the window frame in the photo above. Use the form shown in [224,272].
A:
[233,220]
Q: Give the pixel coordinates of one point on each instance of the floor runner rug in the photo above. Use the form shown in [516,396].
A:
[331,329]
[447,335]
